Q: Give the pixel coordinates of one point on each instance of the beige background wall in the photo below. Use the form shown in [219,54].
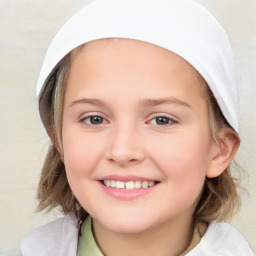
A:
[26,28]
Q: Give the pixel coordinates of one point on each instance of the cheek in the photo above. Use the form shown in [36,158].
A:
[183,159]
[182,149]
[81,155]
[80,152]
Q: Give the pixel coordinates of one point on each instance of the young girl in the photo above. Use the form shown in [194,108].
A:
[139,99]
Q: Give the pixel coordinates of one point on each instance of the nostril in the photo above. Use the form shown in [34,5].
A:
[123,159]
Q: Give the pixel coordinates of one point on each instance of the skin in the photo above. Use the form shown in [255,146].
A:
[129,84]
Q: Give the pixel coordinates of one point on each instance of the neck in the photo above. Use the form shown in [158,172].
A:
[165,240]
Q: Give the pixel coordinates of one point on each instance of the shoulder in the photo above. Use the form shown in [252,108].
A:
[58,237]
[223,240]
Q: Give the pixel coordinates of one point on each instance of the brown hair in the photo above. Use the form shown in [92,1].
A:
[219,198]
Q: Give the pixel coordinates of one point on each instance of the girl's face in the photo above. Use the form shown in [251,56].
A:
[135,115]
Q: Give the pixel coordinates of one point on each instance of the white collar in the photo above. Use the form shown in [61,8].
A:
[57,238]
[60,238]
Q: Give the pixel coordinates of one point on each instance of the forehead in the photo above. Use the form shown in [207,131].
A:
[131,50]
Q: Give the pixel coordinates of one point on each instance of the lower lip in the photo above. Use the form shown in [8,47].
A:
[126,194]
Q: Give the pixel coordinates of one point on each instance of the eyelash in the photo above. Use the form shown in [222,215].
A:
[170,120]
[83,120]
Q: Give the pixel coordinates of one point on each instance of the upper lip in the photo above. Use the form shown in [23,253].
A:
[126,178]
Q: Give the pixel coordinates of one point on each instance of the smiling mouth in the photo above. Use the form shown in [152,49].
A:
[129,185]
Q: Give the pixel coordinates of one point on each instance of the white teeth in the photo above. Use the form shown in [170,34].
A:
[145,184]
[107,183]
[137,184]
[112,183]
[129,184]
[151,183]
[119,184]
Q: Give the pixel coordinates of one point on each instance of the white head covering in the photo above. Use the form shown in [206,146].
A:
[181,26]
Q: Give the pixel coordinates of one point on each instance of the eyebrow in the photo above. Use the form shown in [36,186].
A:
[95,102]
[144,102]
[171,100]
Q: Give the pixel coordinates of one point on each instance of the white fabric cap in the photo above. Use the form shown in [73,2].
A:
[181,26]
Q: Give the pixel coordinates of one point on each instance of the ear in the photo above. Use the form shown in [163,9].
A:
[224,150]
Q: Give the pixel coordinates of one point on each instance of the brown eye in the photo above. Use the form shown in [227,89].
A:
[94,120]
[161,120]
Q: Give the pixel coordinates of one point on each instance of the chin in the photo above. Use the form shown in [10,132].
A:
[127,224]
[128,227]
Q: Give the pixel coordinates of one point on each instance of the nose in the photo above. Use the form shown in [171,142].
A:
[125,146]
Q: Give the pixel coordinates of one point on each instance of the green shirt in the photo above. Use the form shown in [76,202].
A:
[86,244]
